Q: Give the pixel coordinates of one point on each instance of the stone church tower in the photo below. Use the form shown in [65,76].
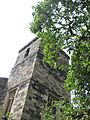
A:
[32,84]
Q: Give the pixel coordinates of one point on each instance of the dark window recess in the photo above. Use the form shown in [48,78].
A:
[27,53]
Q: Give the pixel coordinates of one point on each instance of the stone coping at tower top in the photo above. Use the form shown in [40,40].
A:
[64,53]
[28,44]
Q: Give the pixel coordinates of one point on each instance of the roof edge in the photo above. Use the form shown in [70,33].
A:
[34,41]
[5,78]
[65,53]
[28,44]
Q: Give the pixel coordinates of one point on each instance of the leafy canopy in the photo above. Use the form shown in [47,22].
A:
[66,24]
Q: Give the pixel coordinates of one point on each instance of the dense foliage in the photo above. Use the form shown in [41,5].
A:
[66,24]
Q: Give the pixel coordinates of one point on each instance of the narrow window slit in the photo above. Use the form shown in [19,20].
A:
[27,53]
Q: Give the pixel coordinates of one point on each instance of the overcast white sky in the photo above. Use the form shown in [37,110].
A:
[15,16]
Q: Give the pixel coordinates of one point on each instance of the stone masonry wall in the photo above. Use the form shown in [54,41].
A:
[19,79]
[3,92]
[23,68]
[19,101]
[44,83]
[3,89]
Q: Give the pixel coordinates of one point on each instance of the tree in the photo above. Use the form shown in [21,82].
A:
[66,24]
